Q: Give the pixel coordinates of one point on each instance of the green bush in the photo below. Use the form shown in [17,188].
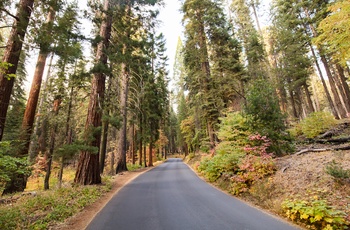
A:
[317,123]
[337,172]
[315,214]
[10,166]
[221,164]
[233,133]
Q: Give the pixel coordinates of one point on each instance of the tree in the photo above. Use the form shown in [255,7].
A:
[88,171]
[334,31]
[44,44]
[211,54]
[11,57]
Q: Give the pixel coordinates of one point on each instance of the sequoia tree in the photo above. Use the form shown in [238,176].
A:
[11,57]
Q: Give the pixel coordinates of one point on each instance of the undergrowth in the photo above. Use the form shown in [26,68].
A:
[316,214]
[51,207]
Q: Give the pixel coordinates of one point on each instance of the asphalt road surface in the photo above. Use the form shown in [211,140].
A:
[172,197]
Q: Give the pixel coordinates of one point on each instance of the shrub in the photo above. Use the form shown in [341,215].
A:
[221,164]
[337,172]
[256,165]
[317,123]
[10,166]
[233,133]
[316,214]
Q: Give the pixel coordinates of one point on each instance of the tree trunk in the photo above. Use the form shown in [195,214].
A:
[337,101]
[33,144]
[150,156]
[121,162]
[308,99]
[49,154]
[140,142]
[103,147]
[11,56]
[329,98]
[88,171]
[29,114]
[344,86]
[133,144]
[144,156]
[68,134]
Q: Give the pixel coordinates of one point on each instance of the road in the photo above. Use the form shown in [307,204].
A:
[172,197]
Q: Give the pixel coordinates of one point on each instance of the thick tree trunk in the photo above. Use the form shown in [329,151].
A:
[11,56]
[140,143]
[29,114]
[49,154]
[88,171]
[121,162]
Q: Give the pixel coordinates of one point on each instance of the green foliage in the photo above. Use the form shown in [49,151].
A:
[3,67]
[316,214]
[43,210]
[264,116]
[10,165]
[334,31]
[316,123]
[219,165]
[233,133]
[337,172]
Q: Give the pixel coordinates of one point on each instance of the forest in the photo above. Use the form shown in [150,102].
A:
[100,103]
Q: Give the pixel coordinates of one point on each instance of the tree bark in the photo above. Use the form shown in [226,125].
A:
[11,56]
[29,114]
[150,156]
[121,162]
[88,171]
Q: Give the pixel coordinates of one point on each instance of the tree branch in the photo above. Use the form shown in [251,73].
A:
[3,27]
[7,12]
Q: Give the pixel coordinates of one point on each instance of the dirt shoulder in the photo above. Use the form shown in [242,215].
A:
[82,219]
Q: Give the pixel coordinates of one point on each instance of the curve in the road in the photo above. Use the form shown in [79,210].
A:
[172,197]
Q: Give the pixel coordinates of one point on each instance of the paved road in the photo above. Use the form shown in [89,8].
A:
[172,197]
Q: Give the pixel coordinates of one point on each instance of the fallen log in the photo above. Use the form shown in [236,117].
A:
[347,147]
[311,150]
[337,140]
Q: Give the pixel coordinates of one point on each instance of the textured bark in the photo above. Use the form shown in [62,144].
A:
[11,56]
[88,171]
[29,114]
[121,159]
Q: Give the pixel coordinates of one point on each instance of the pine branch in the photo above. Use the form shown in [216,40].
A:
[7,12]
